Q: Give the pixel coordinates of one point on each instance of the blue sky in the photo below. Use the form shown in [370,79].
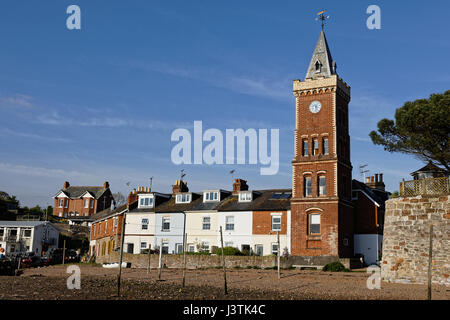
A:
[100,103]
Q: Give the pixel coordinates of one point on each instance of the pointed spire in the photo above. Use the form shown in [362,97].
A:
[322,64]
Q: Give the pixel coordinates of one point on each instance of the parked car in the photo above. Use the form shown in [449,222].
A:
[52,256]
[71,256]
[30,260]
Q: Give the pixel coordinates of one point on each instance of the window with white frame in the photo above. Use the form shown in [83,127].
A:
[229,223]
[66,203]
[275,248]
[307,182]
[322,186]
[276,223]
[183,198]
[229,244]
[205,246]
[144,224]
[314,224]
[92,203]
[206,223]
[61,203]
[165,224]
[245,196]
[146,202]
[211,196]
[86,203]
[143,245]
[191,248]
[325,146]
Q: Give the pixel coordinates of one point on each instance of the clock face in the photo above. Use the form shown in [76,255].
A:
[315,106]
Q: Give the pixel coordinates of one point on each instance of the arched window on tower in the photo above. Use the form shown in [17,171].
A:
[318,66]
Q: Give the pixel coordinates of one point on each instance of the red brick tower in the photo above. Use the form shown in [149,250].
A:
[322,212]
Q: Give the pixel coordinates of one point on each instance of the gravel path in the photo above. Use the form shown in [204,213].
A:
[100,283]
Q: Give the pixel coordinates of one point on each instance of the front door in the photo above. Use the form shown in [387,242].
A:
[130,248]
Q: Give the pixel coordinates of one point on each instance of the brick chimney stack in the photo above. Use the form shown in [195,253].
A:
[239,185]
[132,197]
[66,185]
[106,185]
[179,186]
[376,182]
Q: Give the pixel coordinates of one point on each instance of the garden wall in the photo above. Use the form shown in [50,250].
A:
[407,235]
[192,261]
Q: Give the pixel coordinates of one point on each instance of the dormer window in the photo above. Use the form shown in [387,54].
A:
[146,201]
[245,196]
[211,196]
[318,66]
[183,198]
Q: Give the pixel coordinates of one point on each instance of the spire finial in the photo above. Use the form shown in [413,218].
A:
[322,17]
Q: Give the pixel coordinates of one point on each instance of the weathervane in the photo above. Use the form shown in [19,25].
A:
[322,17]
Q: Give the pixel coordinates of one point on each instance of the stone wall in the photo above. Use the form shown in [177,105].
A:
[406,239]
[192,261]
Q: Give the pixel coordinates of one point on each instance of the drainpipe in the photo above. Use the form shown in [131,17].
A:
[184,231]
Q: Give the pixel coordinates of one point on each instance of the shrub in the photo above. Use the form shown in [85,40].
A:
[229,251]
[204,253]
[335,267]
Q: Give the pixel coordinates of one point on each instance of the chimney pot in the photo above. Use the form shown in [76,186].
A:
[371,179]
[66,185]
[376,177]
[381,177]
[106,185]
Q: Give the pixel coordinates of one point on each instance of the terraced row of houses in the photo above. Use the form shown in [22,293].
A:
[250,220]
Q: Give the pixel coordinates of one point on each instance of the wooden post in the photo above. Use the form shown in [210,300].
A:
[149,255]
[122,240]
[430,262]
[184,260]
[64,252]
[160,260]
[223,262]
[278,254]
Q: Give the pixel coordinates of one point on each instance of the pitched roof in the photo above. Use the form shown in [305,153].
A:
[23,223]
[377,196]
[263,200]
[323,55]
[430,167]
[107,212]
[75,192]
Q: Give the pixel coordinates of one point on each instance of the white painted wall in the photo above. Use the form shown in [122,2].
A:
[172,237]
[35,241]
[135,234]
[369,245]
[195,232]
[242,233]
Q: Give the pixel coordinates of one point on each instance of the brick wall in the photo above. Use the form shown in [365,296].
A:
[262,222]
[406,239]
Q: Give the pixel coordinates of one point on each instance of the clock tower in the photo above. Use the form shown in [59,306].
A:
[321,207]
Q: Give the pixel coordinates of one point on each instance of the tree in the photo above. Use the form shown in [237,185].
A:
[119,199]
[421,128]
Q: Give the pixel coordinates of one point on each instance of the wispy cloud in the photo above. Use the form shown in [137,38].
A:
[261,86]
[16,101]
[55,119]
[6,131]
[41,171]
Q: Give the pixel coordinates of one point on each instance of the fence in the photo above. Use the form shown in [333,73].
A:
[428,186]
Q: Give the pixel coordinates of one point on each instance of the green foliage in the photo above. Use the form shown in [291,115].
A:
[199,253]
[395,194]
[335,267]
[421,128]
[229,251]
